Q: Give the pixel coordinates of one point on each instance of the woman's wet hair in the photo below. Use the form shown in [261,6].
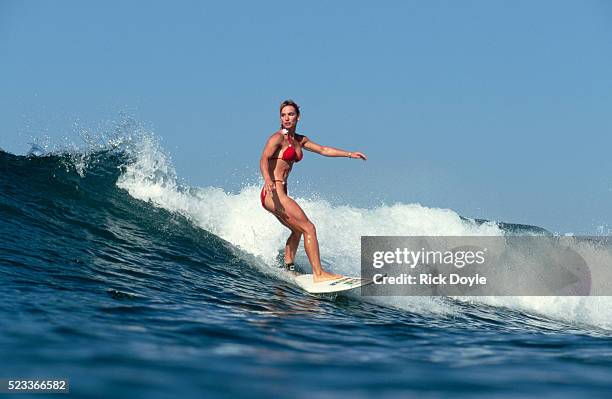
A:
[291,103]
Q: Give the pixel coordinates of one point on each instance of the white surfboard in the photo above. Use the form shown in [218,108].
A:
[342,284]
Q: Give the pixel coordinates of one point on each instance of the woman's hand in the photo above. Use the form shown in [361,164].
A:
[358,155]
[270,186]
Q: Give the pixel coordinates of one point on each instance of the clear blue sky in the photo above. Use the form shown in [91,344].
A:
[495,109]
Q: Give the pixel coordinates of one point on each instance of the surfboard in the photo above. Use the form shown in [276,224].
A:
[342,284]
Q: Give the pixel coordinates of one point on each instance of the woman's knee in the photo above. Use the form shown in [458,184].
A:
[310,229]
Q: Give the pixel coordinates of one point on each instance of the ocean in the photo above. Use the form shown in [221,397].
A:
[129,283]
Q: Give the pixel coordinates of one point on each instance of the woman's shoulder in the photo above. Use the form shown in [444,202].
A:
[276,136]
[301,138]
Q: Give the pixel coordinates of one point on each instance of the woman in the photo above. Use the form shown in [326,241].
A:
[282,150]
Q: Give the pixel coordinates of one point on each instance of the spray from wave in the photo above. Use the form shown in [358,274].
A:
[240,220]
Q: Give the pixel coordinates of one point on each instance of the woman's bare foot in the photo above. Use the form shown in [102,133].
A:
[325,276]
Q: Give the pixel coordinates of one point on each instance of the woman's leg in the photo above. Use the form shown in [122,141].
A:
[291,246]
[293,242]
[294,217]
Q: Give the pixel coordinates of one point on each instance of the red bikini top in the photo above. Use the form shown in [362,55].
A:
[290,154]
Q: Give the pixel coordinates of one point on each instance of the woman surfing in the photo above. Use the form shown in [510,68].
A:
[282,150]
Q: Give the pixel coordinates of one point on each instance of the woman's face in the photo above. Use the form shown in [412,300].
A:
[289,117]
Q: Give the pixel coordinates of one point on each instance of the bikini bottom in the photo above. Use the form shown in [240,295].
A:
[262,196]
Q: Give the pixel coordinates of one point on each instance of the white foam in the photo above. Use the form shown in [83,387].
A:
[240,220]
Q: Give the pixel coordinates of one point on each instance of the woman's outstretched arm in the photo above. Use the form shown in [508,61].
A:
[331,151]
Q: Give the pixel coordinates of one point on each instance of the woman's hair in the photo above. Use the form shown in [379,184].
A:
[292,103]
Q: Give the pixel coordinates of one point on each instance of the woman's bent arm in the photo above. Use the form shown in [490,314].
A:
[264,163]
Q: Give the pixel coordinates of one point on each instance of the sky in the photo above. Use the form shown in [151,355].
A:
[495,109]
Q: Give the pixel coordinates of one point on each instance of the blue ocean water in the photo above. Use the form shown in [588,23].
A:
[118,277]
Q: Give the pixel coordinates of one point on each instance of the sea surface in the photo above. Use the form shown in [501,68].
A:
[117,276]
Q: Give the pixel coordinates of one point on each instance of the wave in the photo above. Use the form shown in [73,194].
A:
[130,185]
